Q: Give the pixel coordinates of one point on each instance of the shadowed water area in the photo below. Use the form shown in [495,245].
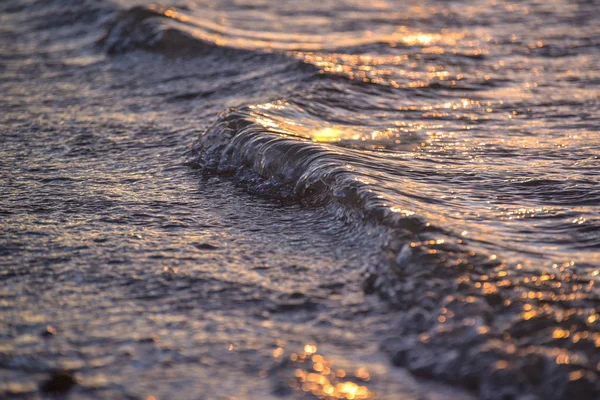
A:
[282,199]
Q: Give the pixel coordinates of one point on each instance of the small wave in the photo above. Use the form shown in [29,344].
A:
[176,32]
[295,161]
[469,318]
[148,28]
[205,29]
[172,30]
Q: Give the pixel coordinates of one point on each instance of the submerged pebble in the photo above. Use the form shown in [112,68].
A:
[59,382]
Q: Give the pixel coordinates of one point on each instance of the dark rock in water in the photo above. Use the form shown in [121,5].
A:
[59,382]
[49,331]
[150,339]
[206,246]
[333,286]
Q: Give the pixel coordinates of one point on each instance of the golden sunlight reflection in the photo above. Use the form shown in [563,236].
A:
[219,31]
[330,134]
[316,375]
[289,120]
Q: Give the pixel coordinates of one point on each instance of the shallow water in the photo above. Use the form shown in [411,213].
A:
[416,182]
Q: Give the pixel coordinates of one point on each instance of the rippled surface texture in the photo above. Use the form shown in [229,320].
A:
[281,199]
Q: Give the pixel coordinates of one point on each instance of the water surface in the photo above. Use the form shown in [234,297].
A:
[407,183]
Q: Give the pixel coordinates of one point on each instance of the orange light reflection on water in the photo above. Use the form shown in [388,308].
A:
[316,375]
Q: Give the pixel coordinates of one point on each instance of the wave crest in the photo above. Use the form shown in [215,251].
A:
[468,318]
